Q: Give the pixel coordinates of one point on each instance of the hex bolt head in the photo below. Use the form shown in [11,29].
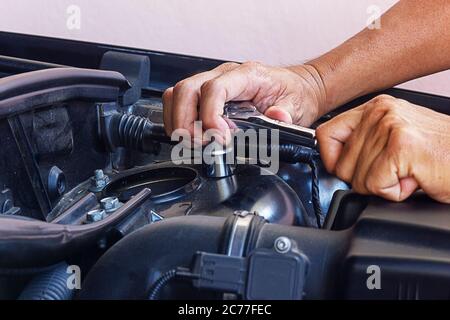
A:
[95,215]
[98,181]
[99,174]
[283,245]
[110,204]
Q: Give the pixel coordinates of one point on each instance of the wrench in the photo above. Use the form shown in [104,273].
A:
[245,114]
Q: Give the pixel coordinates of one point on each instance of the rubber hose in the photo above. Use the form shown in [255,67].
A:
[49,285]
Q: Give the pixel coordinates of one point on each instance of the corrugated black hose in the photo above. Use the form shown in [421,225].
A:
[49,285]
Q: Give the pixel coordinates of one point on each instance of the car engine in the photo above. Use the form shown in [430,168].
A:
[88,188]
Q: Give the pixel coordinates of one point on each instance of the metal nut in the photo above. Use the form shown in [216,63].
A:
[99,181]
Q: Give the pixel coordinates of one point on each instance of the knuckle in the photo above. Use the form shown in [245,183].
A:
[211,86]
[184,85]
[252,64]
[388,122]
[254,68]
[383,99]
[228,66]
[381,107]
[167,95]
[374,112]
[381,104]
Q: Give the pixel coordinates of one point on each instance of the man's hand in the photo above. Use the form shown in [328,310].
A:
[389,147]
[293,95]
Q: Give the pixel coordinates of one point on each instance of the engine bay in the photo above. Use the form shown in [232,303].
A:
[88,185]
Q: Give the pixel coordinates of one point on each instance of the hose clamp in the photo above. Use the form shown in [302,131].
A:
[239,233]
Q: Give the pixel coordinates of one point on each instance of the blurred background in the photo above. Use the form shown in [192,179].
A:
[278,32]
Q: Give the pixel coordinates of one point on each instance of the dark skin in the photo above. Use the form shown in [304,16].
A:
[387,147]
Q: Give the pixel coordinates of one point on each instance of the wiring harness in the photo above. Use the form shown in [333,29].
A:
[296,153]
[263,274]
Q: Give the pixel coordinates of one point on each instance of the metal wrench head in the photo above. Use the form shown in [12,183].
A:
[240,110]
[247,112]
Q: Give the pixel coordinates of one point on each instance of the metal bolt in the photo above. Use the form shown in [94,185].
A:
[283,244]
[98,181]
[95,215]
[99,174]
[110,204]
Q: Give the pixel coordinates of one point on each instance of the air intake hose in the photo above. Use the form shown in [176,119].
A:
[172,243]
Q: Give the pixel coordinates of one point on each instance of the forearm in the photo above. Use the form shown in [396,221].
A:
[413,41]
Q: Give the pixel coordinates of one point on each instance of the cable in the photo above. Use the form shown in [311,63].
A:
[315,192]
[165,278]
[294,154]
[302,154]
[161,283]
[246,276]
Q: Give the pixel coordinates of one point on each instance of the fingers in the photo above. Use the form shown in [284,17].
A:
[239,84]
[374,146]
[349,157]
[167,110]
[368,147]
[181,102]
[333,135]
[278,92]
[375,143]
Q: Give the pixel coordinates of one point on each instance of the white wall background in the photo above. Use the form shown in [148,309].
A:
[270,31]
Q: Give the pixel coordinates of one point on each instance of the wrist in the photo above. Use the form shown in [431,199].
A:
[325,70]
[312,76]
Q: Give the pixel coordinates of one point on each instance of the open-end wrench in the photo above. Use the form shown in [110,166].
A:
[245,115]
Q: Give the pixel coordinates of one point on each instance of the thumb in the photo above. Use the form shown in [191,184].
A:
[387,180]
[279,113]
[399,191]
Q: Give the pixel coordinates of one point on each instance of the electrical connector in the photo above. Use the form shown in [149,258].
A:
[264,274]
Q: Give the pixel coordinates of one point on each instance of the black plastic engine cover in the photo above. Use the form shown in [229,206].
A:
[407,244]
